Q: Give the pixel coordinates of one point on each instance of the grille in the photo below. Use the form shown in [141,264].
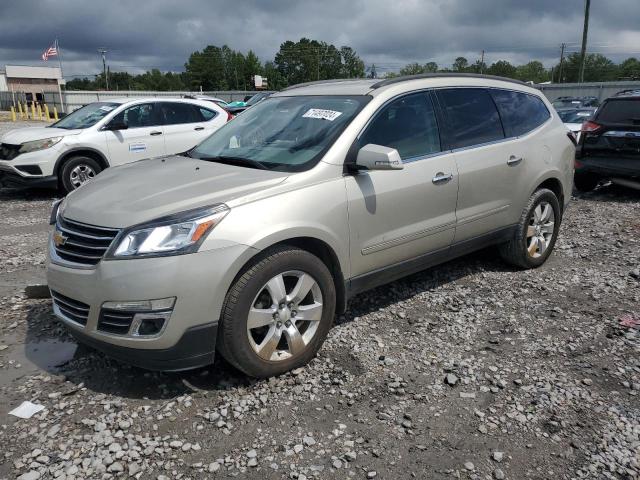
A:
[72,309]
[115,321]
[8,151]
[85,244]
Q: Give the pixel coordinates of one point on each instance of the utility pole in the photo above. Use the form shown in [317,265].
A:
[482,62]
[583,50]
[103,52]
[562,47]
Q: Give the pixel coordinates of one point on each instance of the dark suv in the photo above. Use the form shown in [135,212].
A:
[609,145]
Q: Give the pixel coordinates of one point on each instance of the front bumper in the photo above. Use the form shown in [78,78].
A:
[199,282]
[12,178]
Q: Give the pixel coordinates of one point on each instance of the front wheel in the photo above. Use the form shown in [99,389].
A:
[536,232]
[76,171]
[277,313]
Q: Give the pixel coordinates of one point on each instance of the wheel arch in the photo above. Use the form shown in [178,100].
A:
[555,185]
[74,152]
[321,249]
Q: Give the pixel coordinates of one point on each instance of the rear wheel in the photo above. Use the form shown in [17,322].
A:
[536,233]
[585,182]
[76,171]
[277,313]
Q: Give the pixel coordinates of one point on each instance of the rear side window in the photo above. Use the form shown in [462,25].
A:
[407,124]
[520,112]
[176,113]
[472,116]
[624,111]
[206,113]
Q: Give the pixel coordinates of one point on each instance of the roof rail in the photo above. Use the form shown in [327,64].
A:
[405,78]
[320,82]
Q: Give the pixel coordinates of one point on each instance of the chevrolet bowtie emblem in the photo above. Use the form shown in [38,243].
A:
[58,238]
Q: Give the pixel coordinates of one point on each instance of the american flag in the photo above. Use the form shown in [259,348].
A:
[52,51]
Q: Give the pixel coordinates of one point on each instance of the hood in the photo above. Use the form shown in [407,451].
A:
[149,189]
[21,135]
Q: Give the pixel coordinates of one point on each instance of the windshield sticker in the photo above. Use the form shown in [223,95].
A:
[137,147]
[106,108]
[330,115]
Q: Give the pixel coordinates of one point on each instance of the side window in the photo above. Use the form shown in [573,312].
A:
[143,115]
[520,112]
[206,113]
[177,113]
[407,124]
[472,115]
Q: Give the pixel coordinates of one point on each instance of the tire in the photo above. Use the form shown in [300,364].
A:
[585,182]
[524,251]
[273,347]
[76,171]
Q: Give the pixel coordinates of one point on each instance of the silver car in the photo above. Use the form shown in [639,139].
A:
[250,243]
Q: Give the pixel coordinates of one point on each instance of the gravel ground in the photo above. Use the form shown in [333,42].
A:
[468,370]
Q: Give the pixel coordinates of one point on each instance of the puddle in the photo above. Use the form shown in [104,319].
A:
[49,354]
[46,355]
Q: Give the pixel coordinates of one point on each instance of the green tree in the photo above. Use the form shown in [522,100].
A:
[502,68]
[597,68]
[532,72]
[629,69]
[206,69]
[461,64]
[417,69]
[352,65]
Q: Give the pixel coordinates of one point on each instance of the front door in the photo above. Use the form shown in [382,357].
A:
[143,137]
[400,215]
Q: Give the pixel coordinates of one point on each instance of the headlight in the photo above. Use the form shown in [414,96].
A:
[173,235]
[56,210]
[27,147]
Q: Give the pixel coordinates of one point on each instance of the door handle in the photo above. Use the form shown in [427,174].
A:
[199,128]
[441,177]
[155,133]
[513,160]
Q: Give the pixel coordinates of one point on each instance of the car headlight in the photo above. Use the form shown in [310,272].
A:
[173,235]
[42,144]
[56,210]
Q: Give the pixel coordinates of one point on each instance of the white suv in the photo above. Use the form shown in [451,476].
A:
[104,134]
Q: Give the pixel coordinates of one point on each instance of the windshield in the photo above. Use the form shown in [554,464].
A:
[287,134]
[86,116]
[575,117]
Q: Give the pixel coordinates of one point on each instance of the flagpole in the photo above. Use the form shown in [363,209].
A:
[61,74]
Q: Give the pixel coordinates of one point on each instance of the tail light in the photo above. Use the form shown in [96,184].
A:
[572,137]
[590,126]
[229,115]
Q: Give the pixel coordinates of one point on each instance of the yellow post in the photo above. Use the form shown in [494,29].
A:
[46,112]
[33,110]
[55,113]
[20,110]
[13,114]
[40,113]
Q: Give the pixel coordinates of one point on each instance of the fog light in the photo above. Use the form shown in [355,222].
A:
[149,324]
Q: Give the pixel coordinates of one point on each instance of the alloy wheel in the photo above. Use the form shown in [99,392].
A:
[81,174]
[284,316]
[540,230]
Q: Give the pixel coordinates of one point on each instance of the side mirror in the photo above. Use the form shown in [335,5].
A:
[116,126]
[377,157]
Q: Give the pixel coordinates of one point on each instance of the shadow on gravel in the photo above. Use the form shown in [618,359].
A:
[27,194]
[610,193]
[486,260]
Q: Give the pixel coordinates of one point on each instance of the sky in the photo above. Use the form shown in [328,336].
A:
[140,35]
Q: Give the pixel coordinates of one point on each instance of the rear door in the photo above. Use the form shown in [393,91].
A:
[612,140]
[185,125]
[488,164]
[396,216]
[143,137]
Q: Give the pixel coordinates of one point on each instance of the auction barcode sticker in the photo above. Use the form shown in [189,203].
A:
[330,115]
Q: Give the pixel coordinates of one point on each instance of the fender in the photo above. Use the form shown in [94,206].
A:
[67,153]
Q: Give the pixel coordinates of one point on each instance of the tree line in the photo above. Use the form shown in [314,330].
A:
[222,68]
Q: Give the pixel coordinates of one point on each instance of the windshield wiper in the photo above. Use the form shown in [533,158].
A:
[243,162]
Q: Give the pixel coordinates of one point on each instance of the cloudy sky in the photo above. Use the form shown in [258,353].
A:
[141,35]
